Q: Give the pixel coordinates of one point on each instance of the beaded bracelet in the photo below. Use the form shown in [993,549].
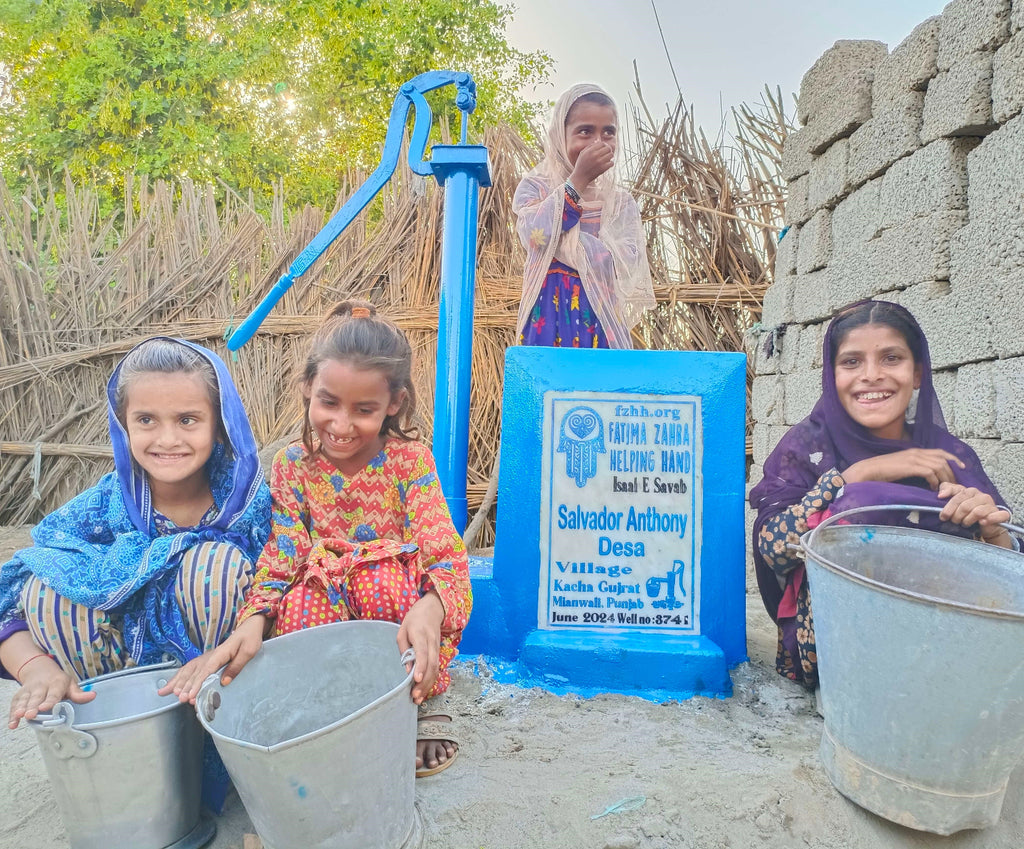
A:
[570,190]
[17,675]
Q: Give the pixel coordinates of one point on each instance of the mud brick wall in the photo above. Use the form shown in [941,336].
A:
[906,181]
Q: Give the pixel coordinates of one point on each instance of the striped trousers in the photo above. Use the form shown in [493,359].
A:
[209,589]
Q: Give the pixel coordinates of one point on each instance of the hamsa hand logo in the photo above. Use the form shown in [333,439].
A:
[581,440]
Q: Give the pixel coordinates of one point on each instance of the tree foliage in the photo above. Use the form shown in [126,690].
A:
[248,92]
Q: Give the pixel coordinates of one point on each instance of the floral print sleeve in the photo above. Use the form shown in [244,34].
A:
[289,544]
[443,555]
[571,212]
[536,218]
[791,523]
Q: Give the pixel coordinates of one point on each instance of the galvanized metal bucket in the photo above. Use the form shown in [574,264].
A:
[126,767]
[318,732]
[920,641]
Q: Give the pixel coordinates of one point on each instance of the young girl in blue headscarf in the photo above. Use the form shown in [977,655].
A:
[154,559]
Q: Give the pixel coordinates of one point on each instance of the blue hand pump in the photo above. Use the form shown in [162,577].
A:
[461,169]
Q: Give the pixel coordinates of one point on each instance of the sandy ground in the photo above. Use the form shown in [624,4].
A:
[534,768]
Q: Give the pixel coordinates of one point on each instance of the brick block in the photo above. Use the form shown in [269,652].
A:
[989,300]
[968,26]
[753,479]
[765,438]
[956,324]
[847,109]
[1008,78]
[802,390]
[777,307]
[987,256]
[887,137]
[959,101]
[908,68]
[1006,468]
[945,389]
[1008,379]
[815,248]
[996,178]
[856,219]
[786,252]
[987,451]
[852,278]
[930,180]
[974,404]
[809,349]
[828,177]
[763,363]
[812,297]
[791,350]
[984,252]
[1007,332]
[833,68]
[796,155]
[767,399]
[917,251]
[797,210]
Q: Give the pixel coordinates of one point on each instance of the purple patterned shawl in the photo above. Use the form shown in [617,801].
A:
[830,438]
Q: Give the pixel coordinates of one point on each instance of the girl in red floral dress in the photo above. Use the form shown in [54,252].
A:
[360,527]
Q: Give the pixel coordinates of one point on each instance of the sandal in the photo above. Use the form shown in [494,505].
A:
[436,726]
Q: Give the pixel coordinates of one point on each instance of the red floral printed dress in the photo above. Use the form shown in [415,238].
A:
[363,546]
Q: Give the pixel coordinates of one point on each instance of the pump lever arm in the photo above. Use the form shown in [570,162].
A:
[411,94]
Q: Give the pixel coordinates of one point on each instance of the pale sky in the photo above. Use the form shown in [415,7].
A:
[723,51]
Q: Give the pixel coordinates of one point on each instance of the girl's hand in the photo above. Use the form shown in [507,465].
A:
[932,464]
[421,630]
[968,506]
[236,651]
[593,161]
[43,684]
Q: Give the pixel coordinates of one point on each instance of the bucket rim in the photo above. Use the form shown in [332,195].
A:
[807,543]
[212,684]
[68,707]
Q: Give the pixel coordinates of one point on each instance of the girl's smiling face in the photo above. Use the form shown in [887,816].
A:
[172,426]
[586,123]
[876,377]
[347,408]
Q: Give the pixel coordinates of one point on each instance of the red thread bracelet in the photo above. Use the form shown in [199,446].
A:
[17,675]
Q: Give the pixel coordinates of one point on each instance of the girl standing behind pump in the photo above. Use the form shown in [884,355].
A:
[361,529]
[868,441]
[156,557]
[586,282]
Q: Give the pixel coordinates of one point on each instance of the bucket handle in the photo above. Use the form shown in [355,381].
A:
[831,520]
[132,670]
[64,740]
[208,699]
[64,712]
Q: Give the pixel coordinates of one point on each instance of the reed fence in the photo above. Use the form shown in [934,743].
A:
[77,289]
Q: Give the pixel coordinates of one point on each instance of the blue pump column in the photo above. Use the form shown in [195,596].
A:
[462,170]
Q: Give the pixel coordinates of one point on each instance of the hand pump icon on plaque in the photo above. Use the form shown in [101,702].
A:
[670,580]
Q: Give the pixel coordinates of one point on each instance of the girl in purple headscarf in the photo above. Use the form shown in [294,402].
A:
[876,436]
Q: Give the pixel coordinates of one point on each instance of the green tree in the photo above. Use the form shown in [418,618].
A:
[244,91]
